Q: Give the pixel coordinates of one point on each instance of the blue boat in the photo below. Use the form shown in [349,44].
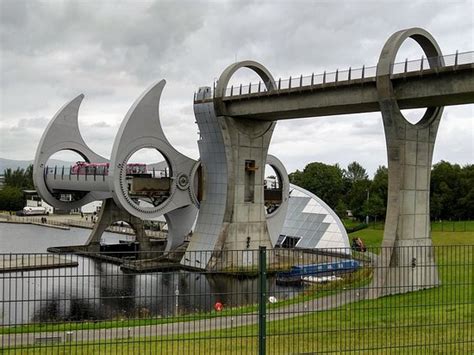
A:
[297,272]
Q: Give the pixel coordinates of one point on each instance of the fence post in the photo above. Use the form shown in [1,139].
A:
[262,299]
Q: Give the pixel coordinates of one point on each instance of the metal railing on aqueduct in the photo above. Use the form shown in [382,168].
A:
[346,75]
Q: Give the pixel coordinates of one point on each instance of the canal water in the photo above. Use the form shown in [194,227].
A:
[97,290]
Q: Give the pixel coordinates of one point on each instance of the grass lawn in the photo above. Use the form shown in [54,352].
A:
[452,226]
[435,321]
[372,238]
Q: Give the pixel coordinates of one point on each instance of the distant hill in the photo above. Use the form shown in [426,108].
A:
[23,164]
[13,164]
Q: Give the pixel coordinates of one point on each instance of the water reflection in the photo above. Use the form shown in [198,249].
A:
[96,290]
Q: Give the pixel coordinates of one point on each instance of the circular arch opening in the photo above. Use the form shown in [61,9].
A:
[247,78]
[222,87]
[63,165]
[272,189]
[409,58]
[387,65]
[148,178]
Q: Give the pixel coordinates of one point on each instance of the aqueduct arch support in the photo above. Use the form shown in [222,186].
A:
[407,255]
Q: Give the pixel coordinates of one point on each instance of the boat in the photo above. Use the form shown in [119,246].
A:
[297,273]
[320,279]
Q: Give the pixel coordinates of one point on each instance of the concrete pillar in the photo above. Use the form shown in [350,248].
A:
[233,158]
[246,148]
[110,213]
[406,262]
[246,145]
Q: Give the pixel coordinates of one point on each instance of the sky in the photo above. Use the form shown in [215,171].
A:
[111,51]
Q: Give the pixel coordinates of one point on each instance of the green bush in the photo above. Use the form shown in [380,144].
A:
[11,199]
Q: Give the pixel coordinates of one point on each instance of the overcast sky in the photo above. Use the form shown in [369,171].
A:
[113,50]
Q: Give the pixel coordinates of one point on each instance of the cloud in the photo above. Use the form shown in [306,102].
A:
[112,51]
[23,135]
[100,124]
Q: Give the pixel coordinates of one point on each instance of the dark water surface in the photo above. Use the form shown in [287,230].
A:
[96,290]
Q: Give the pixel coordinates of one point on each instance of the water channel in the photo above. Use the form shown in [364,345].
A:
[97,290]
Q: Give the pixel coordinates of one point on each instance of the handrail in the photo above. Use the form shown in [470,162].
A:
[407,66]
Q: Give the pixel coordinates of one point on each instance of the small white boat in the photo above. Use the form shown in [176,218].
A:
[320,279]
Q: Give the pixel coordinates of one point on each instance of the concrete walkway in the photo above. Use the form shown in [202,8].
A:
[180,328]
[34,262]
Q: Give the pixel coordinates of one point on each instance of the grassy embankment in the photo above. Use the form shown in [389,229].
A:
[442,317]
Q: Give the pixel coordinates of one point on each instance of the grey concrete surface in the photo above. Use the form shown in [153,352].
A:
[407,235]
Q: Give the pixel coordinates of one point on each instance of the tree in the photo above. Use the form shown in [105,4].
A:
[325,181]
[355,172]
[357,198]
[452,189]
[11,196]
[20,178]
[29,177]
[445,191]
[341,209]
[375,207]
[11,199]
[356,187]
[379,193]
[465,194]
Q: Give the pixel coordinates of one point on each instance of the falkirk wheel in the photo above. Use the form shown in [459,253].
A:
[221,197]
[227,216]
